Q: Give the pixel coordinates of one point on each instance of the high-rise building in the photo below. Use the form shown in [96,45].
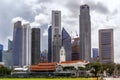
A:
[43,56]
[106,49]
[7,58]
[10,44]
[26,44]
[1,49]
[50,44]
[17,44]
[8,55]
[35,45]
[85,33]
[76,49]
[56,35]
[66,43]
[95,55]
[21,44]
[95,52]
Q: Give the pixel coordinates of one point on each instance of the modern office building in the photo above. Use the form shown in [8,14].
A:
[76,48]
[26,44]
[1,49]
[85,33]
[10,44]
[56,35]
[44,56]
[17,44]
[66,43]
[8,55]
[106,46]
[50,44]
[7,58]
[95,55]
[35,46]
[95,52]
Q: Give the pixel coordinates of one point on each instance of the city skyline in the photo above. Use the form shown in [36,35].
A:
[103,15]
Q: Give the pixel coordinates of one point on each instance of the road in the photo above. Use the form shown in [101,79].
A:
[111,79]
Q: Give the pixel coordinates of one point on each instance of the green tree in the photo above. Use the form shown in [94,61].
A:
[109,68]
[94,68]
[4,71]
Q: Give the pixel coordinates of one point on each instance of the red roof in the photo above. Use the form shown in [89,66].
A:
[44,67]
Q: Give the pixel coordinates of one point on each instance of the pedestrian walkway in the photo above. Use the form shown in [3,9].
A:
[111,79]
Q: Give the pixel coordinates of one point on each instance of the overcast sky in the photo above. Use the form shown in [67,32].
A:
[104,14]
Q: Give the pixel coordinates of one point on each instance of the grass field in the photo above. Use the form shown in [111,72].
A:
[48,79]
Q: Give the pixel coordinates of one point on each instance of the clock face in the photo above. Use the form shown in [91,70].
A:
[62,52]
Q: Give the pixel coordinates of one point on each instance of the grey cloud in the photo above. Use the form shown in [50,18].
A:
[10,10]
[74,7]
[98,7]
[44,1]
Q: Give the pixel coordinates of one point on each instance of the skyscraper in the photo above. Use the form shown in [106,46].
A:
[66,43]
[35,45]
[85,33]
[8,55]
[106,49]
[76,49]
[56,35]
[95,52]
[10,44]
[50,44]
[1,49]
[17,44]
[26,44]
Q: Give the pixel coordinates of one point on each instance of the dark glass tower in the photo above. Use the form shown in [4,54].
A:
[50,44]
[85,33]
[35,45]
[1,49]
[66,43]
[17,44]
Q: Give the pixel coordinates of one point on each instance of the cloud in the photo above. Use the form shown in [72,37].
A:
[38,14]
[20,19]
[98,7]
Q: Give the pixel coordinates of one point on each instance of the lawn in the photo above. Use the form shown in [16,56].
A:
[47,79]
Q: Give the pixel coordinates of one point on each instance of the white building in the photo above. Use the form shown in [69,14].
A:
[62,54]
[26,44]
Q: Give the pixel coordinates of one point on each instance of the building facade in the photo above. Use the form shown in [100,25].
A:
[26,44]
[50,44]
[35,46]
[10,44]
[95,55]
[62,54]
[76,49]
[7,58]
[66,43]
[56,35]
[106,46]
[17,44]
[1,49]
[95,52]
[85,33]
